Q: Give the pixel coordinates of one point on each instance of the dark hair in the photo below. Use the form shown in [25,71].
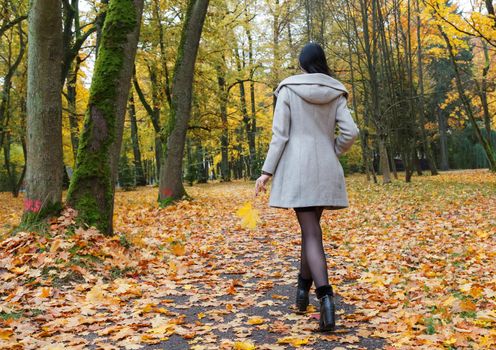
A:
[312,59]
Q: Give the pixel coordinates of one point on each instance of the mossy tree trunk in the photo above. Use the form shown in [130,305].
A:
[44,111]
[171,185]
[92,187]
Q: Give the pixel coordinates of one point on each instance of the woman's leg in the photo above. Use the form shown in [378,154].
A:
[313,258]
[304,267]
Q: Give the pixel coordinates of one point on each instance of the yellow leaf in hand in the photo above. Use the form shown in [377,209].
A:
[248,215]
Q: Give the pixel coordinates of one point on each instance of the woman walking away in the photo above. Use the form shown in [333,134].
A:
[303,162]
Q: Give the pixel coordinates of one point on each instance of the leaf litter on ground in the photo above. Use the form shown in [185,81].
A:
[416,260]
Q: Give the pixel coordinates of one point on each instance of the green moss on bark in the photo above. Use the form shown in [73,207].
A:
[91,191]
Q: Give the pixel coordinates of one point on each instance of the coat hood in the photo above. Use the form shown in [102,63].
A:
[317,88]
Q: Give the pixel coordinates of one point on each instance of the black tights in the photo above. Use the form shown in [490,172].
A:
[313,263]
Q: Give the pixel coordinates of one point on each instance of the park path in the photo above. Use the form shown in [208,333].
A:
[235,286]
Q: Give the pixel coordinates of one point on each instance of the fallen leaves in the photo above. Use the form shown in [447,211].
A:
[415,260]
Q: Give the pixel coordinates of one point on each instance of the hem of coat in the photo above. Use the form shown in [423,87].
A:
[326,206]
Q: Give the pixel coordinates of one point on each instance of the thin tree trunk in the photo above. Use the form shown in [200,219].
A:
[393,164]
[421,109]
[246,121]
[224,137]
[154,113]
[44,112]
[99,23]
[171,185]
[92,187]
[138,166]
[163,55]
[416,161]
[72,106]
[483,96]
[253,120]
[443,139]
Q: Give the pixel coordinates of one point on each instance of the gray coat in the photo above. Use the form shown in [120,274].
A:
[303,153]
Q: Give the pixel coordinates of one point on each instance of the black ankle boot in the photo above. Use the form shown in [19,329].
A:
[327,308]
[302,299]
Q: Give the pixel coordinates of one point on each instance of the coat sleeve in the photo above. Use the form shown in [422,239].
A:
[348,130]
[280,132]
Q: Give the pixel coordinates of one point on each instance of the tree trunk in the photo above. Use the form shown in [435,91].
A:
[71,102]
[154,113]
[386,173]
[138,165]
[224,137]
[171,185]
[253,123]
[392,163]
[416,160]
[44,112]
[92,187]
[163,56]
[483,96]
[443,139]
[203,164]
[421,109]
[246,121]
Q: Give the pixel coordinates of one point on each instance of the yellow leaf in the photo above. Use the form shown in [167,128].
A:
[244,345]
[148,308]
[55,245]
[450,341]
[278,296]
[44,292]
[255,320]
[178,249]
[485,342]
[475,291]
[172,267]
[96,296]
[248,215]
[293,341]
[163,329]
[482,234]
[20,270]
[468,305]
[5,334]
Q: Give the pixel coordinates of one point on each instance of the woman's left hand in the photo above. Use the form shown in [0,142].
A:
[260,184]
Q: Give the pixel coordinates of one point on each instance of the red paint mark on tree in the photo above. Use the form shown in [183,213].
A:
[33,205]
[166,192]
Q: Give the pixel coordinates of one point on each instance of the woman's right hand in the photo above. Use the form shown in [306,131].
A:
[260,183]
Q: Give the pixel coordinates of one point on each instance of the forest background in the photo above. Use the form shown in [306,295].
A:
[420,76]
